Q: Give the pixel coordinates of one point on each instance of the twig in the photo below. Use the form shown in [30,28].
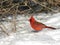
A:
[44,6]
[14,19]
[9,9]
[3,29]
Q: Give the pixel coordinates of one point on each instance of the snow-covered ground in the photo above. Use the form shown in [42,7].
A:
[24,36]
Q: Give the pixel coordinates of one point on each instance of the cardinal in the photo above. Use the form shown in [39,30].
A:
[38,26]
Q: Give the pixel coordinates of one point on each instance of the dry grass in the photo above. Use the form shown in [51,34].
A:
[11,7]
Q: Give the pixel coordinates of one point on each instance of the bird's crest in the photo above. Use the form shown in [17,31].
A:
[32,18]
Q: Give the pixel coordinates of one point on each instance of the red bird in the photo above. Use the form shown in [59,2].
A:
[38,26]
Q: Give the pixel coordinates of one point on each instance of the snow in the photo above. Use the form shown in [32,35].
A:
[24,36]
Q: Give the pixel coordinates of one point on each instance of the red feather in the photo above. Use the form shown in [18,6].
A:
[37,26]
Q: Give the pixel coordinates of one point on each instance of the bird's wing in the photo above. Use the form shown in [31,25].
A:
[38,23]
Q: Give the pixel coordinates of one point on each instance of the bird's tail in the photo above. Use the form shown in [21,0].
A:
[50,27]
